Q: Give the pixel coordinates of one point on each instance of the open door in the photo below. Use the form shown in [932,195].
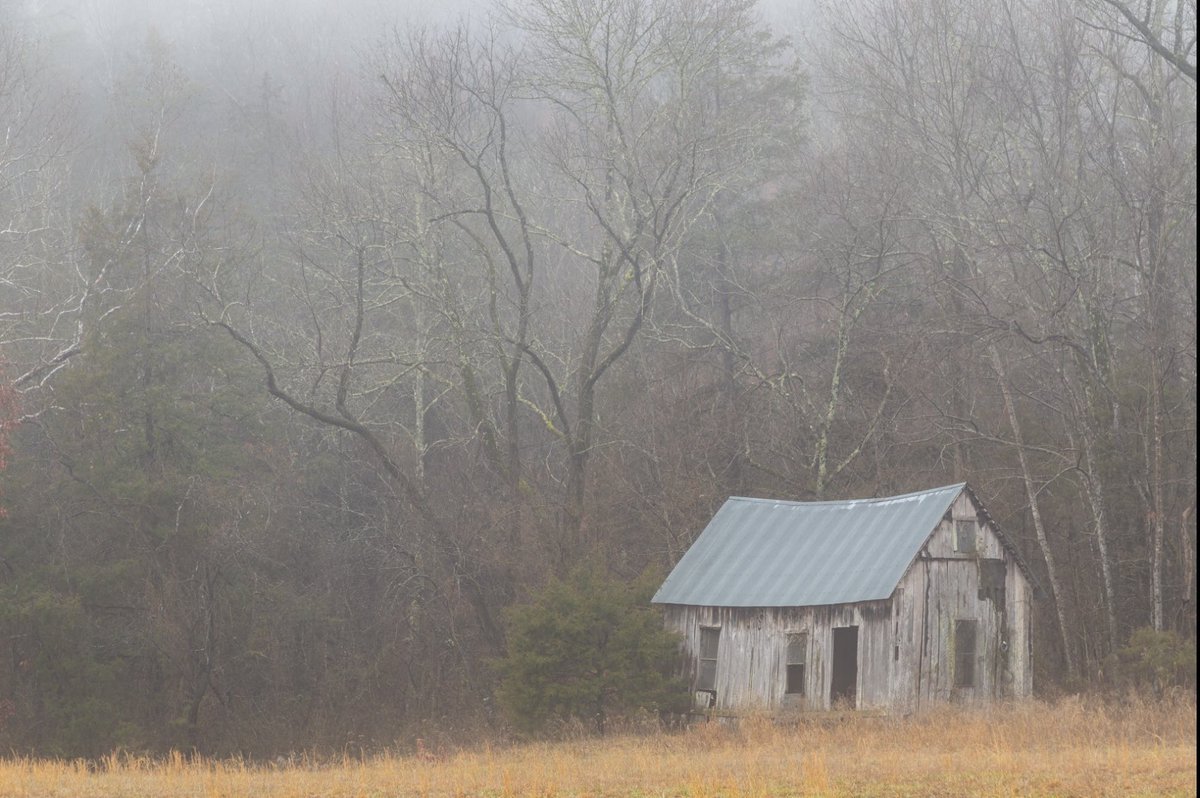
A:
[845,666]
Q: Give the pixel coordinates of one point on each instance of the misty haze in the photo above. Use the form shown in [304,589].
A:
[389,391]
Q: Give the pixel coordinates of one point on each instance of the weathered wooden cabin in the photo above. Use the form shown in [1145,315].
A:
[888,604]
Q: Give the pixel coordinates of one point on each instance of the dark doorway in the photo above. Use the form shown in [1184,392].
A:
[845,666]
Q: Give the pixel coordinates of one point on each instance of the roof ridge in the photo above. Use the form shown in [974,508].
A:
[872,500]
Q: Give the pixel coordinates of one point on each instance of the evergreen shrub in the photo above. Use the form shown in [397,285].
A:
[589,648]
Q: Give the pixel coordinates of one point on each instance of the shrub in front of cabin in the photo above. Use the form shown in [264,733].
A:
[588,648]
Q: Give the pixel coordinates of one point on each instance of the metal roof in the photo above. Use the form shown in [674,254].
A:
[766,553]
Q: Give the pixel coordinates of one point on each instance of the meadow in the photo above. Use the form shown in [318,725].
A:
[1071,747]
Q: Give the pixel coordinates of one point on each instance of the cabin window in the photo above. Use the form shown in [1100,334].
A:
[710,640]
[964,537]
[964,653]
[797,658]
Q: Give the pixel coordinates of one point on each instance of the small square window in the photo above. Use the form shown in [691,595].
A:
[965,537]
[797,659]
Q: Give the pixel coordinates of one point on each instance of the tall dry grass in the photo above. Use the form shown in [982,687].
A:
[1073,747]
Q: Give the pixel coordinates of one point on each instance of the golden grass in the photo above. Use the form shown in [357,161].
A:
[1070,748]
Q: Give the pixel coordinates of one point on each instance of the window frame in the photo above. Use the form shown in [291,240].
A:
[960,525]
[707,633]
[798,640]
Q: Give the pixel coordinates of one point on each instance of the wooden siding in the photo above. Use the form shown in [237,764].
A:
[943,586]
[752,656]
[906,651]
[941,542]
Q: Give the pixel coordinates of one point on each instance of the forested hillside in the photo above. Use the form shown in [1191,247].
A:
[328,333]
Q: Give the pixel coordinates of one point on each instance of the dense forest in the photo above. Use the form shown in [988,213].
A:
[326,336]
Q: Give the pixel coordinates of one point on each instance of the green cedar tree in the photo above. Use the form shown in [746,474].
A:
[588,647]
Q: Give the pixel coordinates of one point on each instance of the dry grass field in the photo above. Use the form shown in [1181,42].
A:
[1070,748]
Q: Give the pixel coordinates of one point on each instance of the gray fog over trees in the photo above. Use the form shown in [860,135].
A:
[330,331]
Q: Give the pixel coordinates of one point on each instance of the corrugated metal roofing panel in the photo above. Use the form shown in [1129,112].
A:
[765,553]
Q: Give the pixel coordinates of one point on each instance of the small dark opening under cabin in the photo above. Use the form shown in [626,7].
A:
[845,666]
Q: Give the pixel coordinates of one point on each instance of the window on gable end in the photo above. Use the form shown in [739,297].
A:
[965,535]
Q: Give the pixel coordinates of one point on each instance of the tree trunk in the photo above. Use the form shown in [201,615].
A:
[1031,493]
[1095,495]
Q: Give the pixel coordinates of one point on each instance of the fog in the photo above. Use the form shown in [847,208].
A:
[330,333]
